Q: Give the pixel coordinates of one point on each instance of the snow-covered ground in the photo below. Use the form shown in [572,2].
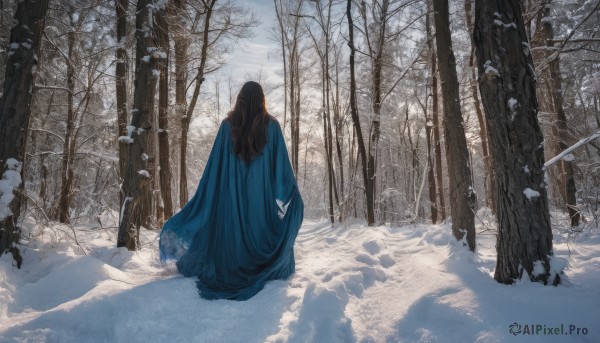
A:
[352,284]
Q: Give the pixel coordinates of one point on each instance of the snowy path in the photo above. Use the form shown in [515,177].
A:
[352,284]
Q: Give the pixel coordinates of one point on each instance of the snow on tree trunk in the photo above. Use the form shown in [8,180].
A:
[163,121]
[437,146]
[137,179]
[15,112]
[490,197]
[121,79]
[507,86]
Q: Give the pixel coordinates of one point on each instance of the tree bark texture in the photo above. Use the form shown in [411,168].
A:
[121,7]
[429,124]
[565,179]
[68,155]
[181,65]
[507,86]
[283,38]
[15,112]
[462,196]
[490,197]
[354,113]
[294,88]
[437,145]
[138,179]
[164,152]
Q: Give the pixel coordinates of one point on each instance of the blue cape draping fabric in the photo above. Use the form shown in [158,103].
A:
[238,230]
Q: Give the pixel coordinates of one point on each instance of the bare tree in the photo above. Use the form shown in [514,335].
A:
[550,99]
[362,151]
[429,124]
[289,15]
[437,123]
[164,170]
[187,118]
[324,22]
[462,195]
[217,24]
[490,197]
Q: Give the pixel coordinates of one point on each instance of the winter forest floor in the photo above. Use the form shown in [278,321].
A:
[352,284]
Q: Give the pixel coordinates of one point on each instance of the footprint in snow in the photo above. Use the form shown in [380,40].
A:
[372,247]
[386,261]
[356,283]
[366,259]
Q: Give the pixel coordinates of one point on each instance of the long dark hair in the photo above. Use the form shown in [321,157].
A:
[248,120]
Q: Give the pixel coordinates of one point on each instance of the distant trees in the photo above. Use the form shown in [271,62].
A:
[550,95]
[291,32]
[212,25]
[186,118]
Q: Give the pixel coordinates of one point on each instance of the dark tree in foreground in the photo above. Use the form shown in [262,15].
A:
[164,149]
[137,179]
[462,196]
[121,78]
[15,111]
[507,86]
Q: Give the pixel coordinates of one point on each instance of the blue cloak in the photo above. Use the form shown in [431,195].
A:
[238,230]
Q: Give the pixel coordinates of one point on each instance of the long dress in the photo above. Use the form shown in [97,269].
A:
[238,230]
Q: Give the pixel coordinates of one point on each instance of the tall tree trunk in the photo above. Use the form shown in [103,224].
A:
[327,131]
[187,119]
[437,145]
[68,155]
[560,129]
[540,53]
[490,197]
[430,172]
[328,148]
[507,86]
[138,179]
[339,137]
[295,111]
[429,123]
[121,7]
[15,112]
[462,196]
[293,130]
[283,38]
[181,65]
[294,80]
[163,119]
[375,132]
[355,118]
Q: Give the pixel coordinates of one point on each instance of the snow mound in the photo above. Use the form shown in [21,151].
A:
[352,284]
